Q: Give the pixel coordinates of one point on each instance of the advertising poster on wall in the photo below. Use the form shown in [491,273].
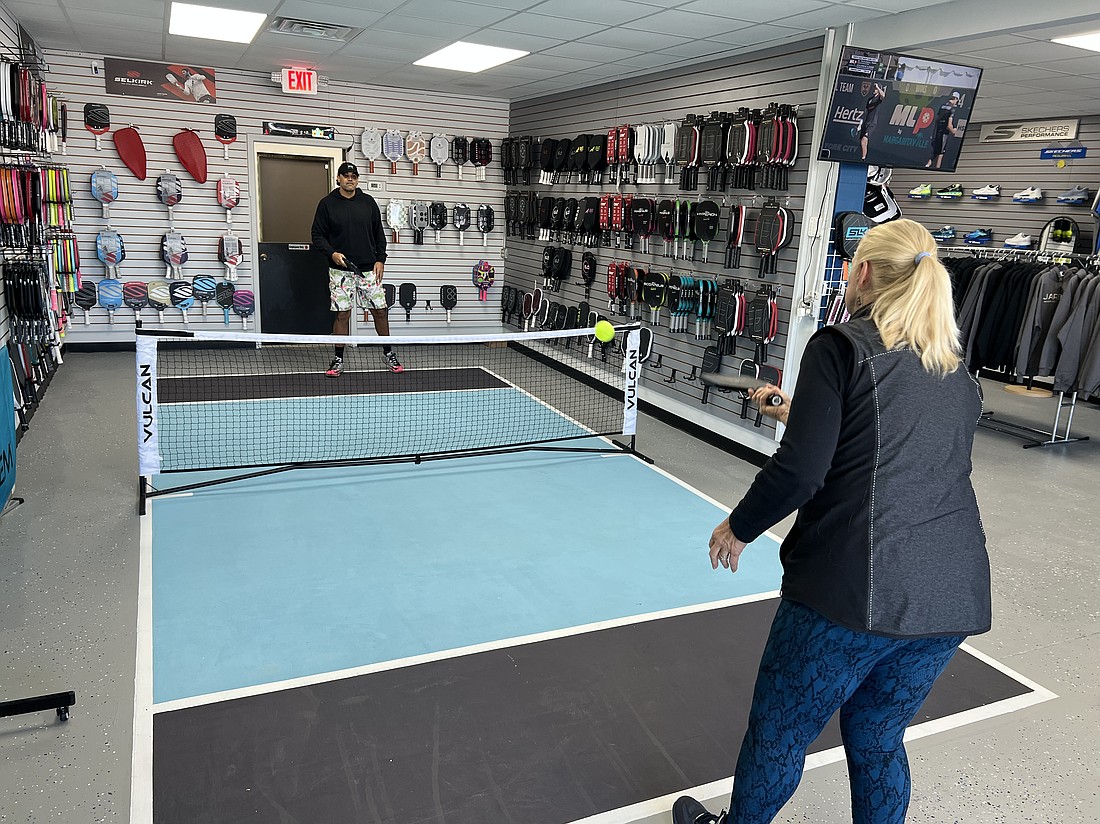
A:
[898,111]
[161,81]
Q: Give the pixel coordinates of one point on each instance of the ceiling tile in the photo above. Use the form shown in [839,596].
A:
[514,5]
[384,6]
[411,46]
[120,22]
[636,39]
[530,23]
[402,24]
[832,16]
[312,46]
[754,35]
[25,12]
[514,40]
[651,60]
[894,5]
[608,12]
[1055,82]
[1076,65]
[699,48]
[148,8]
[563,65]
[325,13]
[1013,74]
[755,11]
[969,45]
[687,24]
[451,11]
[356,69]
[1027,52]
[590,51]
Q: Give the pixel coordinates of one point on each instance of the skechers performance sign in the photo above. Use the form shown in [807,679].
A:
[1045,130]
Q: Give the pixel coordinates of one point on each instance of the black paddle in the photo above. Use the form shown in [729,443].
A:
[407,295]
[448,298]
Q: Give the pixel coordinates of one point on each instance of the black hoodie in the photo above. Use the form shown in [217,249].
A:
[351,226]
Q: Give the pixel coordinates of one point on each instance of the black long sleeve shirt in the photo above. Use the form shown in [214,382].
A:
[876,459]
[351,226]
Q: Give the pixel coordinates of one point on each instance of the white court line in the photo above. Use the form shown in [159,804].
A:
[382,666]
[141,765]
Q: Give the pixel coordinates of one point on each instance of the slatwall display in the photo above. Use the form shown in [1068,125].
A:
[9,44]
[1014,167]
[251,97]
[788,75]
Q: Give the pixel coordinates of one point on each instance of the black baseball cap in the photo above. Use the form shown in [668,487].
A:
[347,169]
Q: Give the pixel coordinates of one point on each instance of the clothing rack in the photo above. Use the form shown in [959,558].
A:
[1059,433]
[1030,433]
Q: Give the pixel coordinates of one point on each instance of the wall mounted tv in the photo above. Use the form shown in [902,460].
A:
[897,110]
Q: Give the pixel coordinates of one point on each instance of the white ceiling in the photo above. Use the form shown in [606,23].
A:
[578,43]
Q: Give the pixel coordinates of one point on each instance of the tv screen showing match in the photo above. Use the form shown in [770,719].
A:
[899,111]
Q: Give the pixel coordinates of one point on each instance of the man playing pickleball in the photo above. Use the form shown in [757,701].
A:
[347,228]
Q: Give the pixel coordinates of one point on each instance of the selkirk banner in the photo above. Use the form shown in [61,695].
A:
[163,81]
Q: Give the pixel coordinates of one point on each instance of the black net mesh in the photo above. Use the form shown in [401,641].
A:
[221,401]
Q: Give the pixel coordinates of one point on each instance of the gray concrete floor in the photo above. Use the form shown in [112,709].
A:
[68,583]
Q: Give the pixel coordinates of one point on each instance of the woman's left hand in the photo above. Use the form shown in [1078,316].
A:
[725,548]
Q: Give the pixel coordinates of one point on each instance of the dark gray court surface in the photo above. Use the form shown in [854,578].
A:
[543,733]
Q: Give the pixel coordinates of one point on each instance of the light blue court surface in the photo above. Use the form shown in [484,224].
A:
[313,571]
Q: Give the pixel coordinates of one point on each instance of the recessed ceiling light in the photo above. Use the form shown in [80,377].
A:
[212,23]
[1090,41]
[469,57]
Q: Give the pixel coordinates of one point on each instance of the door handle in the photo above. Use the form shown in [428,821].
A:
[263,256]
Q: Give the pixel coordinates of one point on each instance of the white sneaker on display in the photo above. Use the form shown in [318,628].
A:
[1019,241]
[992,190]
[1031,194]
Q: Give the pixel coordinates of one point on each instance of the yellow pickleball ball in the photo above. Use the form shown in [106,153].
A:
[605,332]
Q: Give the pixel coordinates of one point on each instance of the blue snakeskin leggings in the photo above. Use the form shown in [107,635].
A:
[810,668]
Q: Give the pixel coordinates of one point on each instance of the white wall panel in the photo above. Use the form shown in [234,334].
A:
[252,98]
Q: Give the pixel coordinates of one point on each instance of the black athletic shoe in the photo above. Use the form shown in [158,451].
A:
[336,368]
[687,810]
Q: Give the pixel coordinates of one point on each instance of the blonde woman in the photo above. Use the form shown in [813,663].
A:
[885,570]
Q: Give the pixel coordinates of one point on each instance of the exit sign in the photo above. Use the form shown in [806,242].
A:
[299,81]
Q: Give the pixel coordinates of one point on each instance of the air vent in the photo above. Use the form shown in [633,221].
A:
[307,28]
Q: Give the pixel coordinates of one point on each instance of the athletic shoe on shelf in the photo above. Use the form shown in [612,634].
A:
[1019,241]
[687,810]
[990,191]
[391,361]
[1077,196]
[944,233]
[336,368]
[879,175]
[948,192]
[1032,194]
[979,236]
[924,190]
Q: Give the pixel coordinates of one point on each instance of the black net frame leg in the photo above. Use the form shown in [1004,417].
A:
[57,701]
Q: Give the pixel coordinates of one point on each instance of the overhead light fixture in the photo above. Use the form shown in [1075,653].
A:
[1090,41]
[212,23]
[469,57]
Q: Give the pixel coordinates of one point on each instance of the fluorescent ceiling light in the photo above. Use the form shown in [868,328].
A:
[469,57]
[1090,41]
[212,23]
